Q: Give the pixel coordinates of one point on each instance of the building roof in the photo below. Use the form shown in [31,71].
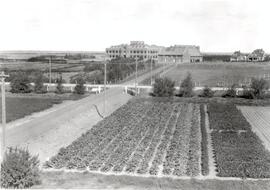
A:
[181,49]
[135,45]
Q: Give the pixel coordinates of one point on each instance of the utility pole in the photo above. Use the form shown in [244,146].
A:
[105,81]
[151,71]
[50,62]
[136,76]
[3,148]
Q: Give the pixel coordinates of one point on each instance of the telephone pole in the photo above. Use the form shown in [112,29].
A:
[105,81]
[3,90]
[136,90]
[50,70]
[151,71]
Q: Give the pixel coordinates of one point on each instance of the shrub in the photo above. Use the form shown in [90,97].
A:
[39,87]
[259,87]
[20,83]
[231,92]
[247,93]
[59,87]
[163,87]
[80,88]
[186,87]
[19,169]
[207,92]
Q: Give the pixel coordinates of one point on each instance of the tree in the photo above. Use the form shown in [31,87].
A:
[38,80]
[59,87]
[259,87]
[186,87]
[207,92]
[80,88]
[163,87]
[20,83]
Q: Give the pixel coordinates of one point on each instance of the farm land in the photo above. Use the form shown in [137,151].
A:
[168,139]
[149,139]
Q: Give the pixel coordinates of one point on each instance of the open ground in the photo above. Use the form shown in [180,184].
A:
[220,73]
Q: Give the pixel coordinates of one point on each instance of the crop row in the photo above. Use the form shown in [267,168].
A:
[88,144]
[238,153]
[194,144]
[232,118]
[141,137]
[140,159]
[204,144]
[118,158]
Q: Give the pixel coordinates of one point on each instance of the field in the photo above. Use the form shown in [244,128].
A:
[22,105]
[141,138]
[220,74]
[259,118]
[168,138]
[238,151]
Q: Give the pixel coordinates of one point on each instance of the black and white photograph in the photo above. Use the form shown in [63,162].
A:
[135,94]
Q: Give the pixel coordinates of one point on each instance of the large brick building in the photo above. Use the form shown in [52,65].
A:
[136,49]
[180,54]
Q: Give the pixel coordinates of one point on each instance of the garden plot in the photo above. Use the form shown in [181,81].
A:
[259,118]
[238,151]
[141,138]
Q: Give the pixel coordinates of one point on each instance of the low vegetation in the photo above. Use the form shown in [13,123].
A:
[156,138]
[19,169]
[204,144]
[238,151]
[163,87]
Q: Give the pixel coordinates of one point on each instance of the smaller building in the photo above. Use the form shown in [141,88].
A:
[238,56]
[257,55]
[180,54]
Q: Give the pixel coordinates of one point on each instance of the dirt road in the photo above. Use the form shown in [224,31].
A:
[46,132]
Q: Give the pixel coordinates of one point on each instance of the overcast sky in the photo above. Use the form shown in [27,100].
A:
[93,25]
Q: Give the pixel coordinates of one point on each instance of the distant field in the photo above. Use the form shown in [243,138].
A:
[219,74]
[56,67]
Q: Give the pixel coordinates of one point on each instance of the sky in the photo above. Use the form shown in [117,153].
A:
[93,25]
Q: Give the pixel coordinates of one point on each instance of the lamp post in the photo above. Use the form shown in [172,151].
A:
[3,148]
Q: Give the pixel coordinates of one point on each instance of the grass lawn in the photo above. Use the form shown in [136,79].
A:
[20,105]
[87,180]
[212,73]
